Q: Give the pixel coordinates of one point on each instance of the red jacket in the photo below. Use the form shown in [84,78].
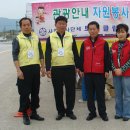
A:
[94,56]
[124,56]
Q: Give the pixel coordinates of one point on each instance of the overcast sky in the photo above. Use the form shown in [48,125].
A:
[13,8]
[17,8]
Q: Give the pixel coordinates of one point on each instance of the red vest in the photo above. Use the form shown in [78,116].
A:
[124,56]
[94,56]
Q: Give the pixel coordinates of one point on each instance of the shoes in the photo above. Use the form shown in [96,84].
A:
[35,116]
[26,120]
[105,118]
[71,116]
[117,117]
[125,118]
[91,117]
[59,117]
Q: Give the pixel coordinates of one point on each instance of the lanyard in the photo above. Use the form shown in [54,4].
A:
[61,38]
[119,53]
[62,42]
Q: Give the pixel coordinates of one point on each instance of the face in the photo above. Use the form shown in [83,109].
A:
[61,26]
[93,31]
[121,35]
[40,12]
[26,27]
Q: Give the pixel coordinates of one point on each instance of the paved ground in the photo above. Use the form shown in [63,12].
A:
[9,105]
[5,46]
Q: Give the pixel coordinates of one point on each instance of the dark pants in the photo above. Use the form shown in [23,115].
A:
[30,85]
[96,83]
[67,77]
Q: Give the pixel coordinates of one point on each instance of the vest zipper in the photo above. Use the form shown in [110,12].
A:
[92,58]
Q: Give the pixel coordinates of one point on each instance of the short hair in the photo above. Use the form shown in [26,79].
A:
[124,27]
[24,18]
[61,18]
[94,23]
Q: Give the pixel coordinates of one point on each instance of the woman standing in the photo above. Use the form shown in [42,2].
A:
[120,54]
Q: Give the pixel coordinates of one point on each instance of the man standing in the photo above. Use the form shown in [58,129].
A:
[95,63]
[27,56]
[61,62]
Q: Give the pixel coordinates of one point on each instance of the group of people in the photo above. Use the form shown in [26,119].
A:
[62,62]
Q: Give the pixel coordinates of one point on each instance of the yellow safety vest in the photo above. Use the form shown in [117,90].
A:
[68,58]
[25,45]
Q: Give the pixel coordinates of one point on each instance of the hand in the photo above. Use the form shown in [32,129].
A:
[43,72]
[106,74]
[48,74]
[77,70]
[20,74]
[81,74]
[118,72]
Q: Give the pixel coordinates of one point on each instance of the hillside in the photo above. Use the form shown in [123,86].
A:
[8,24]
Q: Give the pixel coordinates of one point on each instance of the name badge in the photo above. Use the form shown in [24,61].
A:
[30,54]
[61,52]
